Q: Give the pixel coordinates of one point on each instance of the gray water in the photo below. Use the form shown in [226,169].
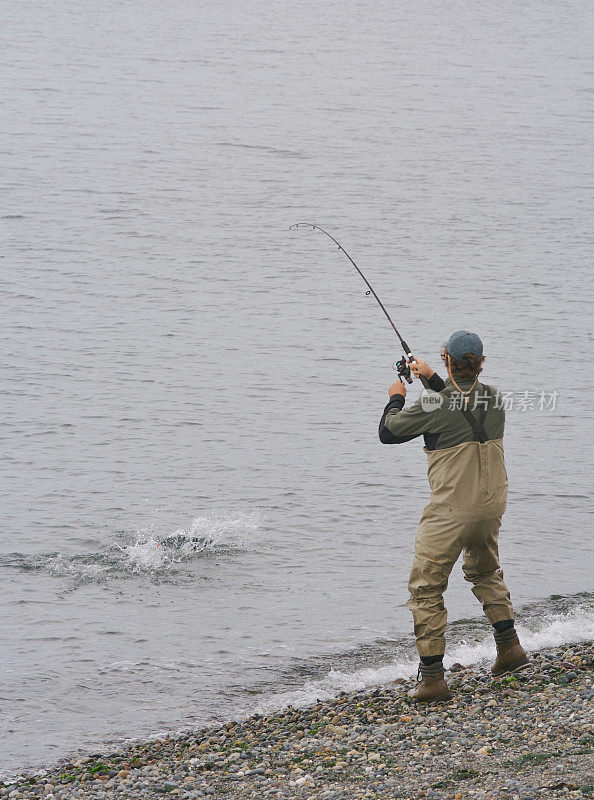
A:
[197,516]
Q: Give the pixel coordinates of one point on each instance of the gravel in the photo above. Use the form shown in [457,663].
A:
[529,737]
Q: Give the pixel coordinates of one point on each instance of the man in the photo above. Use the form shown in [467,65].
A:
[462,423]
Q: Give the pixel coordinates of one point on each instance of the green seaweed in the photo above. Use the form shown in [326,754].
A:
[464,774]
[96,768]
[530,759]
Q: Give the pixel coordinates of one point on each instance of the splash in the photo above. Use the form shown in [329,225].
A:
[210,533]
[145,555]
[145,552]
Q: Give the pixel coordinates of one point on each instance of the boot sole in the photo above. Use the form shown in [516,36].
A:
[517,667]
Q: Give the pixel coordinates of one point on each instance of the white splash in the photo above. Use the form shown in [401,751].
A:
[77,569]
[145,554]
[215,530]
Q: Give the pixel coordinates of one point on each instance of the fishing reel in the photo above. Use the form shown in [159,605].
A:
[403,370]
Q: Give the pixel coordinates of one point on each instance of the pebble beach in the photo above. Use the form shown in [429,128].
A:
[521,737]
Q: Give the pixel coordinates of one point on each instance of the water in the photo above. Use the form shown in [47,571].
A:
[197,517]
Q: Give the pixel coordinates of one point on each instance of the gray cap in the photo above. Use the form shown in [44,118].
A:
[462,342]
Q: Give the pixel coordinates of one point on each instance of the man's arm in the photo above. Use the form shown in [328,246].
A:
[397,426]
[436,383]
[396,404]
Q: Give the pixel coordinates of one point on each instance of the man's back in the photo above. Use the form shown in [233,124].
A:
[439,416]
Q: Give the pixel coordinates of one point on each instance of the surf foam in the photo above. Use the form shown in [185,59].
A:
[552,630]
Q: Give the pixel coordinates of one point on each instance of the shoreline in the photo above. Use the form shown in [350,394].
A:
[520,737]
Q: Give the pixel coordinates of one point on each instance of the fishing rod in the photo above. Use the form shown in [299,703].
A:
[402,366]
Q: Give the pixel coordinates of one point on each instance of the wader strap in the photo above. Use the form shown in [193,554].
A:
[480,434]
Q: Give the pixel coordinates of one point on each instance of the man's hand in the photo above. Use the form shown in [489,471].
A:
[397,388]
[421,368]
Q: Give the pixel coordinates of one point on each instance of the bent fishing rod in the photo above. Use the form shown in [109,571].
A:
[402,366]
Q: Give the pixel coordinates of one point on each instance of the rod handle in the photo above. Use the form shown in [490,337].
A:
[410,357]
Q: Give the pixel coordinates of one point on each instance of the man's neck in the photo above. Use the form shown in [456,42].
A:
[463,383]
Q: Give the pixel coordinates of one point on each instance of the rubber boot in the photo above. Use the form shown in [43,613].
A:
[511,656]
[432,687]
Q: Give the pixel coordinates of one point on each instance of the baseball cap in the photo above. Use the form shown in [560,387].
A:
[462,342]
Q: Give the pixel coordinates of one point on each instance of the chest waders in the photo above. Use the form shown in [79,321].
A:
[468,497]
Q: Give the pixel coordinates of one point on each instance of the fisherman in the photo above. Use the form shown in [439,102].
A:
[462,423]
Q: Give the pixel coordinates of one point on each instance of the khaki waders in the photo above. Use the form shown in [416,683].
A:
[468,497]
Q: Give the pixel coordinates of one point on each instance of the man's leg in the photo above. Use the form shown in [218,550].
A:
[481,568]
[437,546]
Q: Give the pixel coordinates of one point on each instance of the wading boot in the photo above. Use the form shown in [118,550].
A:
[432,687]
[511,656]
